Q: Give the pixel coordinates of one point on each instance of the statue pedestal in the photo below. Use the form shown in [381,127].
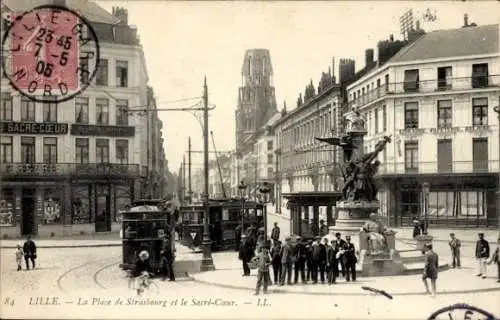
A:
[351,216]
[422,240]
[384,264]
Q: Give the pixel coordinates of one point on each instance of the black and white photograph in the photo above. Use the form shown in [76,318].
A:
[176,159]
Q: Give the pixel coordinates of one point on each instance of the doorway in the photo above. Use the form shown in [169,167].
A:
[28,223]
[102,209]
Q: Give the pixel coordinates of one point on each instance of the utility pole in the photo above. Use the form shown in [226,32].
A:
[190,191]
[184,178]
[207,263]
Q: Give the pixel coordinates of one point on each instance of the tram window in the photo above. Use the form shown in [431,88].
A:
[225,214]
[143,230]
[130,229]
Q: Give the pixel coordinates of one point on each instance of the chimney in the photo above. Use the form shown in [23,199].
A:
[368,57]
[61,3]
[121,14]
[466,20]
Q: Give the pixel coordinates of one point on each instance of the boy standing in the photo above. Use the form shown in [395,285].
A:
[19,257]
[430,269]
[455,250]
[263,277]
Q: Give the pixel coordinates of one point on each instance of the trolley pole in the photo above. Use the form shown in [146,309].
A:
[190,191]
[497,110]
[207,263]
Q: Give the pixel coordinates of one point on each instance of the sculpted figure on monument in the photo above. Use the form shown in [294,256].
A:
[355,121]
[377,243]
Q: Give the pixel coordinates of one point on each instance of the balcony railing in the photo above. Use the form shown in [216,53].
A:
[427,86]
[437,167]
[67,169]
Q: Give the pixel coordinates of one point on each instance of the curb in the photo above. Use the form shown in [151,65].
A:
[67,246]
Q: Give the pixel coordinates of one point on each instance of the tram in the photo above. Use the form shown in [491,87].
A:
[225,215]
[144,226]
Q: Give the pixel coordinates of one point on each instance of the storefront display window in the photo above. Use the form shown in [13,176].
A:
[81,205]
[7,214]
[122,197]
[51,207]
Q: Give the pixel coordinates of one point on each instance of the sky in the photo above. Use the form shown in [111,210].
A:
[184,41]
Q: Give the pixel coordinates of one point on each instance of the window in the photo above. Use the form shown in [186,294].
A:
[101,78]
[49,150]
[479,111]
[82,110]
[28,149]
[386,82]
[472,203]
[122,112]
[444,78]
[444,114]
[121,73]
[376,121]
[102,114]
[102,150]
[270,145]
[384,118]
[411,156]
[6,149]
[50,111]
[82,150]
[411,83]
[27,109]
[269,158]
[378,83]
[480,75]
[84,71]
[441,204]
[411,115]
[6,112]
[480,154]
[445,156]
[122,151]
[270,172]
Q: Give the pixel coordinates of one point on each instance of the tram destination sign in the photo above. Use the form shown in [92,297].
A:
[10,127]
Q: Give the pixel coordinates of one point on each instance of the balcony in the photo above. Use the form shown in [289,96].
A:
[21,170]
[437,167]
[427,87]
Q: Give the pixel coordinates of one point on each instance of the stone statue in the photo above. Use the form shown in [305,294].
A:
[355,121]
[377,242]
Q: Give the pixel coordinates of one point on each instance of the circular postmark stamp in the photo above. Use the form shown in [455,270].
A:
[50,53]
[461,311]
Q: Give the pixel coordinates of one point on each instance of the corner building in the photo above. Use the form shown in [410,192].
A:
[436,97]
[69,168]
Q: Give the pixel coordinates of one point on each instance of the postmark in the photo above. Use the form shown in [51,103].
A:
[51,53]
[461,311]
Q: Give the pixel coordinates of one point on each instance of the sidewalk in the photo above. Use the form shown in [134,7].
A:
[64,243]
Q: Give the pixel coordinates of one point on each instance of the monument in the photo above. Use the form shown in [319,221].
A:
[358,207]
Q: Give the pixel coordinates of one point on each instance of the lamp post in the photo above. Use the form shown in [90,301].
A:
[497,110]
[242,187]
[264,190]
[425,190]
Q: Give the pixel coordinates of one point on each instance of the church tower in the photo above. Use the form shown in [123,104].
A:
[256,97]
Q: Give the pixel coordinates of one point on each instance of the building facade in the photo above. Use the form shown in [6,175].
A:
[71,167]
[437,103]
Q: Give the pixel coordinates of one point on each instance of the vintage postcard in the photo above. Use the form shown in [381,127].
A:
[249,159]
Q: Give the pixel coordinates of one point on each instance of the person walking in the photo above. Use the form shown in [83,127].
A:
[455,250]
[264,261]
[275,233]
[350,259]
[482,255]
[246,254]
[276,252]
[167,260]
[19,257]
[496,258]
[29,249]
[431,268]
[286,262]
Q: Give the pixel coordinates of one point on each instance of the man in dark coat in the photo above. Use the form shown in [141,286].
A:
[431,268]
[275,233]
[323,228]
[300,260]
[455,250]
[29,249]
[276,260]
[246,254]
[168,258]
[482,254]
[322,259]
[495,258]
[237,237]
[315,261]
[309,266]
[286,262]
[331,261]
[350,259]
[341,244]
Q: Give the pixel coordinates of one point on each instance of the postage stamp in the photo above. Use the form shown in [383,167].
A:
[51,53]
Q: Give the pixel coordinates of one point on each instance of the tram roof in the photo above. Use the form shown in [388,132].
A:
[148,202]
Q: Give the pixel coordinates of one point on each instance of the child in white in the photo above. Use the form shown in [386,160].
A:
[19,257]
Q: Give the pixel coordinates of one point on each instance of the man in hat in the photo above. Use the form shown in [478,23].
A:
[276,253]
[496,258]
[322,258]
[315,260]
[246,254]
[341,243]
[263,276]
[431,268]
[455,250]
[300,260]
[331,261]
[286,262]
[167,260]
[350,259]
[275,233]
[482,255]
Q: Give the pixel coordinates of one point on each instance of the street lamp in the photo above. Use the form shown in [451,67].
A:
[497,110]
[242,187]
[264,190]
[425,190]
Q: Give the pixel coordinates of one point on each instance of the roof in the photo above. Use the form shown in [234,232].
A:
[451,43]
[275,117]
[89,9]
